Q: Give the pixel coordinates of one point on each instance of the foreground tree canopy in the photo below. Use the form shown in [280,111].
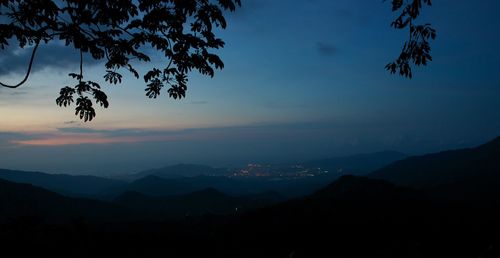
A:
[122,33]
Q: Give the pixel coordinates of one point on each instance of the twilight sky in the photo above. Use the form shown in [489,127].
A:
[304,79]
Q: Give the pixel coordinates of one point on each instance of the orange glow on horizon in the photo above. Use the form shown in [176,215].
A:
[89,139]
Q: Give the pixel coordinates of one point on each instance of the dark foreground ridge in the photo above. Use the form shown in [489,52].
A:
[467,174]
[351,217]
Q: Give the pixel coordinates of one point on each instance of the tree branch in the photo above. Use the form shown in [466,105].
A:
[81,65]
[27,73]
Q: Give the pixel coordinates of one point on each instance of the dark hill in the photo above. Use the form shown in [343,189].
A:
[472,174]
[157,186]
[352,188]
[180,170]
[207,201]
[362,217]
[25,200]
[60,183]
[154,185]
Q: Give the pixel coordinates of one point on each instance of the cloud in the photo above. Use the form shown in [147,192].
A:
[325,49]
[18,93]
[6,138]
[88,136]
[78,140]
[14,60]
[108,133]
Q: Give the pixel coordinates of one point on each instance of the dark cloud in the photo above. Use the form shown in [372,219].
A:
[84,130]
[326,49]
[15,61]
[7,138]
[111,133]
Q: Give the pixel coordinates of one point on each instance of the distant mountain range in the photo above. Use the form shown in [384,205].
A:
[185,178]
[181,170]
[157,186]
[207,201]
[65,184]
[359,164]
[467,174]
[25,200]
[437,205]
[107,189]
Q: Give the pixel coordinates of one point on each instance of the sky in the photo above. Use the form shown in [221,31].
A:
[303,79]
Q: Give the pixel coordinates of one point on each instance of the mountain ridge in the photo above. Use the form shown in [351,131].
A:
[358,164]
[471,173]
[71,185]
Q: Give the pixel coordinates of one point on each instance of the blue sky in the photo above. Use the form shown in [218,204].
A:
[303,79]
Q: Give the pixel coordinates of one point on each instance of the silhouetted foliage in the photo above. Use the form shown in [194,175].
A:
[182,32]
[416,50]
[119,32]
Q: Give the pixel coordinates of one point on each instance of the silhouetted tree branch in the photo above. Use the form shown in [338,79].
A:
[119,32]
[30,65]
[181,31]
[416,50]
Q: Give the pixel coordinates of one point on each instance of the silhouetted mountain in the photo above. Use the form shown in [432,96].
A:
[362,217]
[180,170]
[359,164]
[352,188]
[154,185]
[207,201]
[472,174]
[351,217]
[268,196]
[60,183]
[25,200]
[157,186]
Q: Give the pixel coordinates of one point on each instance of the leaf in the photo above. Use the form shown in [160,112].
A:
[84,109]
[65,96]
[178,34]
[113,77]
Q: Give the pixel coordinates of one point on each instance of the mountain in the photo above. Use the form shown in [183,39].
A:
[363,217]
[25,200]
[158,186]
[472,173]
[154,185]
[351,217]
[207,201]
[63,184]
[352,188]
[359,164]
[180,170]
